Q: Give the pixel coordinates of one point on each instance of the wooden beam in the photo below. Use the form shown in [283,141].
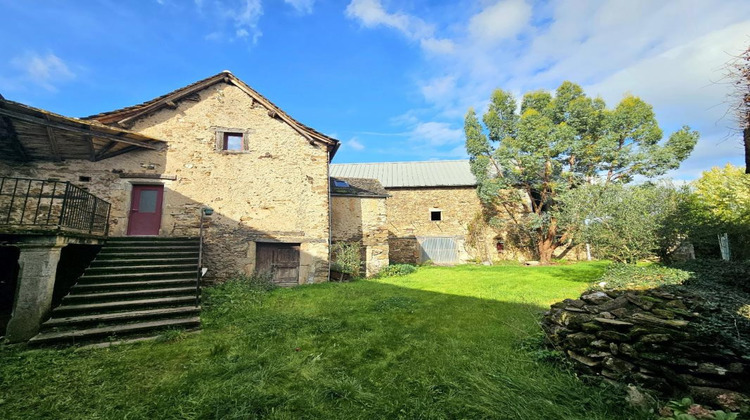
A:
[53,142]
[92,151]
[12,136]
[171,104]
[90,130]
[105,149]
[119,152]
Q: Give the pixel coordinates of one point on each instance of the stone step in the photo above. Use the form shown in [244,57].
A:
[144,261]
[73,336]
[123,239]
[145,255]
[155,249]
[136,244]
[91,308]
[127,294]
[120,317]
[115,269]
[151,275]
[132,284]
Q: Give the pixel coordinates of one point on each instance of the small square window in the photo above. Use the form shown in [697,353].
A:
[234,142]
[436,215]
[340,184]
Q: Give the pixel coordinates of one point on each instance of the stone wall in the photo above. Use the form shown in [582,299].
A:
[363,220]
[275,191]
[655,338]
[409,218]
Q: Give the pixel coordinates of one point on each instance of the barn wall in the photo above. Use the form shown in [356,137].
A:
[409,219]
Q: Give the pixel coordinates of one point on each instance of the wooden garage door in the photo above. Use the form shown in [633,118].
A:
[281,260]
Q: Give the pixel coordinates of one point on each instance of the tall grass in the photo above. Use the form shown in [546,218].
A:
[441,343]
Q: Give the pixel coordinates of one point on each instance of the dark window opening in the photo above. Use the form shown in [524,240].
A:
[436,215]
[234,142]
[84,178]
[500,246]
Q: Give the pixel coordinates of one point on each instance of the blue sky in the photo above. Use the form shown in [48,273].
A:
[391,79]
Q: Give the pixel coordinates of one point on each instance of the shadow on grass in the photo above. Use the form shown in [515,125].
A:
[358,350]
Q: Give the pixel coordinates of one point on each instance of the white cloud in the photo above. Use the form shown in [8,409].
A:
[502,20]
[45,70]
[437,46]
[302,6]
[232,19]
[436,134]
[437,89]
[372,14]
[246,19]
[355,144]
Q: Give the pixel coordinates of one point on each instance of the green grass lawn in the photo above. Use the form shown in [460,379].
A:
[439,343]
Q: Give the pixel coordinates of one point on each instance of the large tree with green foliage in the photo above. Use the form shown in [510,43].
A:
[557,142]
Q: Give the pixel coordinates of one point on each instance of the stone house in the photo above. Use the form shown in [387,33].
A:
[215,144]
[431,211]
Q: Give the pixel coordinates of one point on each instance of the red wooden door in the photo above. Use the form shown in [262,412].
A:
[145,210]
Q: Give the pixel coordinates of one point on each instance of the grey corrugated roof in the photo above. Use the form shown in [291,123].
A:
[439,173]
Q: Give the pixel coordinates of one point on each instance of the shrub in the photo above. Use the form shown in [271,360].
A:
[396,270]
[346,258]
[625,276]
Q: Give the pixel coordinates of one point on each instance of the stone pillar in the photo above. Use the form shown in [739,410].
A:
[36,283]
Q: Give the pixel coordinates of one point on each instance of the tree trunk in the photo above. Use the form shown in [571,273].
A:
[545,249]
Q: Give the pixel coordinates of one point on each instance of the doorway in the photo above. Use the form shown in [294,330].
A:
[280,260]
[145,210]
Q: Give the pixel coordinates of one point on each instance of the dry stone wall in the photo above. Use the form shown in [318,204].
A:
[654,338]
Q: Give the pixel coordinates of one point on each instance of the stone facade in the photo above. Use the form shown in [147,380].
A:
[363,220]
[409,220]
[276,191]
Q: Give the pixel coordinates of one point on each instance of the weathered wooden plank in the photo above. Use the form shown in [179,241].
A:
[87,131]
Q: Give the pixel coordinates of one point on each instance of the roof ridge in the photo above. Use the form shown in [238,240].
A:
[124,115]
[403,161]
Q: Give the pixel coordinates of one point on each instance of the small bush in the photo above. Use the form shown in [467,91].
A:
[624,276]
[396,270]
[346,258]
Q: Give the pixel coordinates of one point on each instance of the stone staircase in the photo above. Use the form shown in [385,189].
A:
[135,287]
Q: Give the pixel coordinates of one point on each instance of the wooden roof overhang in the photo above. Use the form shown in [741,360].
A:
[125,117]
[28,134]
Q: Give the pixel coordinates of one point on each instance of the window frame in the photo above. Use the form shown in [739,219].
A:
[222,137]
